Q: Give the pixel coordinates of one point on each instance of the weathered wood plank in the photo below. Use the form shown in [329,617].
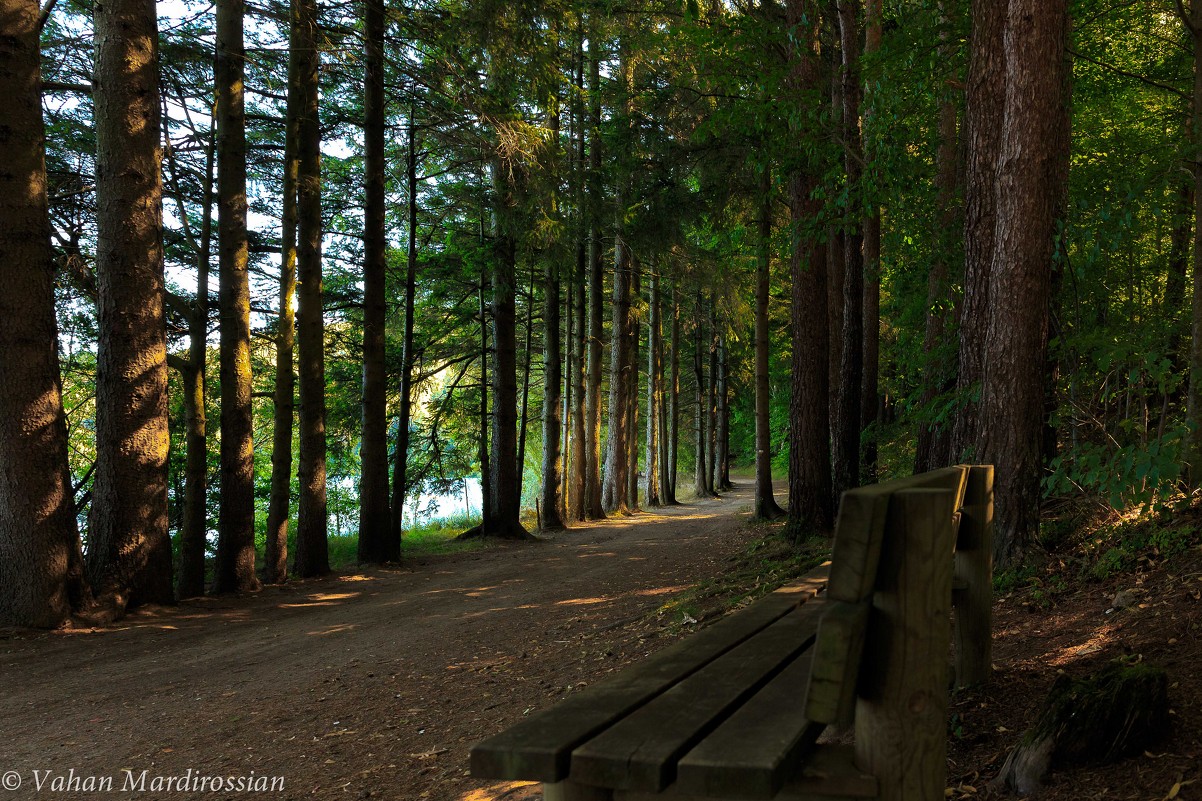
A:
[831,694]
[901,708]
[861,525]
[640,751]
[538,748]
[829,774]
[758,747]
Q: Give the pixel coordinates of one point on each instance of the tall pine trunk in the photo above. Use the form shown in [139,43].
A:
[711,401]
[700,487]
[193,535]
[275,557]
[851,365]
[766,507]
[129,549]
[552,489]
[373,454]
[723,469]
[984,106]
[654,392]
[1028,190]
[400,457]
[632,393]
[870,391]
[41,570]
[673,404]
[312,543]
[810,496]
[594,507]
[575,478]
[235,565]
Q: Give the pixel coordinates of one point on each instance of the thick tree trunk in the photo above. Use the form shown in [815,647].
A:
[400,458]
[1012,396]
[766,507]
[374,516]
[235,565]
[193,535]
[851,366]
[41,566]
[984,106]
[594,507]
[129,548]
[809,433]
[275,557]
[312,544]
[617,457]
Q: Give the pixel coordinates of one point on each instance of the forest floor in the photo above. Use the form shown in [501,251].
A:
[374,684]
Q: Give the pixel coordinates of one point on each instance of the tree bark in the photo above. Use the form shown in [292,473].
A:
[766,507]
[312,544]
[275,568]
[576,474]
[374,517]
[809,433]
[527,361]
[984,106]
[673,416]
[594,507]
[552,467]
[851,365]
[1012,396]
[700,487]
[400,470]
[723,450]
[632,393]
[129,548]
[654,391]
[235,564]
[41,565]
[193,535]
[872,263]
[711,405]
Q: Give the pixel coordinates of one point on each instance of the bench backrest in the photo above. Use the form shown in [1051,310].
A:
[868,518]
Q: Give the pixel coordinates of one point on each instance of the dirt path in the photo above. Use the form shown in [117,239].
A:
[370,685]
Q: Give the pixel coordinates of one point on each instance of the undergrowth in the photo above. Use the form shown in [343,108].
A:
[765,564]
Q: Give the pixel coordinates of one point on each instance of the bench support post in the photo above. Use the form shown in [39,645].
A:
[974,571]
[571,791]
[901,714]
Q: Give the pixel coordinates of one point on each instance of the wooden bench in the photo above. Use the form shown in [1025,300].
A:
[735,710]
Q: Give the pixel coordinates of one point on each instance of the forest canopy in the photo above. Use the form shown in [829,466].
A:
[283,275]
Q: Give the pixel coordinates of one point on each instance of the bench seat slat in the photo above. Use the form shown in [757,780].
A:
[538,748]
[640,752]
[758,747]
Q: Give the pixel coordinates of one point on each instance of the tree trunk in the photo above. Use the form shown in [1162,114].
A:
[235,565]
[485,472]
[594,507]
[527,361]
[851,365]
[312,545]
[553,509]
[129,548]
[723,476]
[1194,391]
[654,392]
[673,406]
[576,473]
[632,394]
[374,518]
[400,457]
[766,507]
[700,487]
[275,568]
[872,265]
[984,106]
[712,403]
[809,432]
[1012,396]
[41,565]
[193,535]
